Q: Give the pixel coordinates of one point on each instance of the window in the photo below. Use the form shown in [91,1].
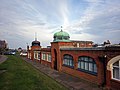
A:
[49,57]
[68,61]
[37,55]
[43,56]
[60,38]
[66,37]
[116,70]
[87,64]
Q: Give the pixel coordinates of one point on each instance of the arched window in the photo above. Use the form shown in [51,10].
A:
[68,60]
[116,70]
[87,64]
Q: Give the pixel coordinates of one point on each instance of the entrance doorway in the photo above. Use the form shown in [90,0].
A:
[55,61]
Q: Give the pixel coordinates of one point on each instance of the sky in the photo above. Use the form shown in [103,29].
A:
[89,20]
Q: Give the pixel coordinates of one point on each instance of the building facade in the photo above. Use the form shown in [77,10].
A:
[99,65]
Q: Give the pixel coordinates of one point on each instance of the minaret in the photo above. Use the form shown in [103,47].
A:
[27,47]
[35,36]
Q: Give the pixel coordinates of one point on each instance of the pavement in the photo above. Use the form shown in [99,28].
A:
[2,58]
[71,82]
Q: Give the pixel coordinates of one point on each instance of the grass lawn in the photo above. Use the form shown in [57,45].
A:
[20,75]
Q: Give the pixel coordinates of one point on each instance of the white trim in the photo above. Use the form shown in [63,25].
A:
[115,79]
[113,60]
[110,66]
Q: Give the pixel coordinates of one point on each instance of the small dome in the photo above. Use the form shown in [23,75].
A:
[61,36]
[35,43]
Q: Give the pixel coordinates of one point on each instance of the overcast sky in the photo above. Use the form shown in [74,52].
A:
[96,20]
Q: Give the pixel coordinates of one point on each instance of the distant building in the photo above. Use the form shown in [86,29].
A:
[3,46]
[99,65]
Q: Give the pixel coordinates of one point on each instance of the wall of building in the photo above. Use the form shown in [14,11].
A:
[46,57]
[101,58]
[93,54]
[112,57]
[79,74]
[37,55]
[56,54]
[115,85]
[33,48]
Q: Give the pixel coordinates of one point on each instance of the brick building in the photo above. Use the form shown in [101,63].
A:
[99,65]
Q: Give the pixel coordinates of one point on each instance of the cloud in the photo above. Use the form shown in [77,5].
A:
[99,19]
[82,19]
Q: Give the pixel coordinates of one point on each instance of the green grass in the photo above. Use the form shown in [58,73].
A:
[20,75]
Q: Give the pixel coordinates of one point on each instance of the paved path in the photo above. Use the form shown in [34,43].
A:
[71,82]
[2,58]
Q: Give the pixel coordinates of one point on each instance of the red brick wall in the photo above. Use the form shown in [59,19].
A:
[74,72]
[115,85]
[56,46]
[32,55]
[108,78]
[65,43]
[93,54]
[45,62]
[100,78]
[111,83]
[32,51]
[35,47]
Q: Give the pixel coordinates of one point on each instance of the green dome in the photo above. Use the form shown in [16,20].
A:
[61,36]
[61,33]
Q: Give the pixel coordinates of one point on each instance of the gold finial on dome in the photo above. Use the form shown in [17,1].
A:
[61,28]
[35,36]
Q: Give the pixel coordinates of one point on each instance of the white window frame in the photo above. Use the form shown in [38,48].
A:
[44,56]
[112,71]
[36,53]
[49,57]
